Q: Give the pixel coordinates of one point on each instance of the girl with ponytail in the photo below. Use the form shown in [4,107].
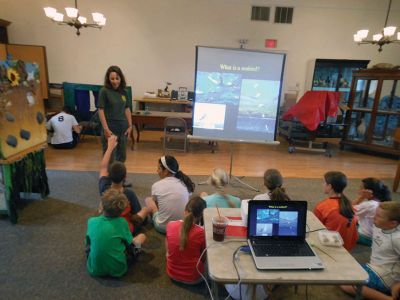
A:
[170,194]
[185,241]
[372,192]
[273,181]
[336,212]
[219,179]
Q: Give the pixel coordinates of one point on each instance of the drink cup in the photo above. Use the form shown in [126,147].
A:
[219,226]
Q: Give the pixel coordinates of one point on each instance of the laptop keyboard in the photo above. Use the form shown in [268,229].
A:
[283,249]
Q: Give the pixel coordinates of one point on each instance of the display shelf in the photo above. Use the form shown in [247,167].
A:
[374,111]
[335,75]
[55,102]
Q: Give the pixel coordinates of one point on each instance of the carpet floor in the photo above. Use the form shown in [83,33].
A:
[42,257]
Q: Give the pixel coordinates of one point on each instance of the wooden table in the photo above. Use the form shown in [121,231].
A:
[141,117]
[340,266]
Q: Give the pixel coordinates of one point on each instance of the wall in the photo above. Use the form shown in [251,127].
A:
[153,41]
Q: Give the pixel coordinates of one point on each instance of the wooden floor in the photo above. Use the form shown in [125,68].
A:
[248,159]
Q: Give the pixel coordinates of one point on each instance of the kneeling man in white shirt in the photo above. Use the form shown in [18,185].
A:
[66,130]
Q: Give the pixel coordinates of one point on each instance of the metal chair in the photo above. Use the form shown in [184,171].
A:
[91,126]
[175,128]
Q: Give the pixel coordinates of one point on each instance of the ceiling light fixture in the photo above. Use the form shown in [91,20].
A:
[75,19]
[387,36]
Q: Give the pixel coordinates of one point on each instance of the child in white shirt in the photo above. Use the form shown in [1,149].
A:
[372,192]
[384,266]
[273,181]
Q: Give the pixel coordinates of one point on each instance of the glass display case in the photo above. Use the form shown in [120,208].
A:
[374,111]
[335,75]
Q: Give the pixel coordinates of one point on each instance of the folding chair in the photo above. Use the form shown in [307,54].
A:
[175,128]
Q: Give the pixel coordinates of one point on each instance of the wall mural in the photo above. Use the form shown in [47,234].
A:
[22,118]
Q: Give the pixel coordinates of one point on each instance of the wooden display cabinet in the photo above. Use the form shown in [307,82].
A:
[335,75]
[374,111]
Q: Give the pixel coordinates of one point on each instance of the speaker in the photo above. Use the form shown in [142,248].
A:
[190,96]
[174,95]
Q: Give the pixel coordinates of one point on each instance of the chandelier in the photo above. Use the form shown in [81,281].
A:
[387,36]
[75,19]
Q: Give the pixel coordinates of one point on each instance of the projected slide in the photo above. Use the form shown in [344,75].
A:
[237,94]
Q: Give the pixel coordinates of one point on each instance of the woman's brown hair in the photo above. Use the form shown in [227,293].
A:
[107,82]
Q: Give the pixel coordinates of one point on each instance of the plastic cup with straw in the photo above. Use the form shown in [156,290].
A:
[219,226]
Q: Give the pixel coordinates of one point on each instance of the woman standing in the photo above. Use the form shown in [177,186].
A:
[114,112]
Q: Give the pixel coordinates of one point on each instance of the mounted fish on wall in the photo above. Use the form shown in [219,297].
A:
[22,118]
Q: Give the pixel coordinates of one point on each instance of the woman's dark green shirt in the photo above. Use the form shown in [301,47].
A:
[114,104]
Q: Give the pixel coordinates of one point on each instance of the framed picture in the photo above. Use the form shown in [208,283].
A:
[182,93]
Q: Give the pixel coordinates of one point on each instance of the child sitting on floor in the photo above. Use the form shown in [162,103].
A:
[113,176]
[273,181]
[108,238]
[170,194]
[219,179]
[384,266]
[336,212]
[372,192]
[185,242]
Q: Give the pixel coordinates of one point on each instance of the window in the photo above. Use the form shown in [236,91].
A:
[284,15]
[260,13]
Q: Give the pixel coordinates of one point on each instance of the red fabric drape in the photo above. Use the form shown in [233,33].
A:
[313,108]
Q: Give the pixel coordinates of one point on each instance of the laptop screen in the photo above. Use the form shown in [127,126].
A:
[277,219]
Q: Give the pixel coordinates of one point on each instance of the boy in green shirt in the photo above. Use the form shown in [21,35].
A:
[107,236]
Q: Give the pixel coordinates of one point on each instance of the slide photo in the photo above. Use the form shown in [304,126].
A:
[216,87]
[209,116]
[267,216]
[288,223]
[258,105]
[264,229]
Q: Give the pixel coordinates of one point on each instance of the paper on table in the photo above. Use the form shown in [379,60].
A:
[235,228]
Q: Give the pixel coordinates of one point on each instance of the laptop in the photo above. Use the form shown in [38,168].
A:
[276,232]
